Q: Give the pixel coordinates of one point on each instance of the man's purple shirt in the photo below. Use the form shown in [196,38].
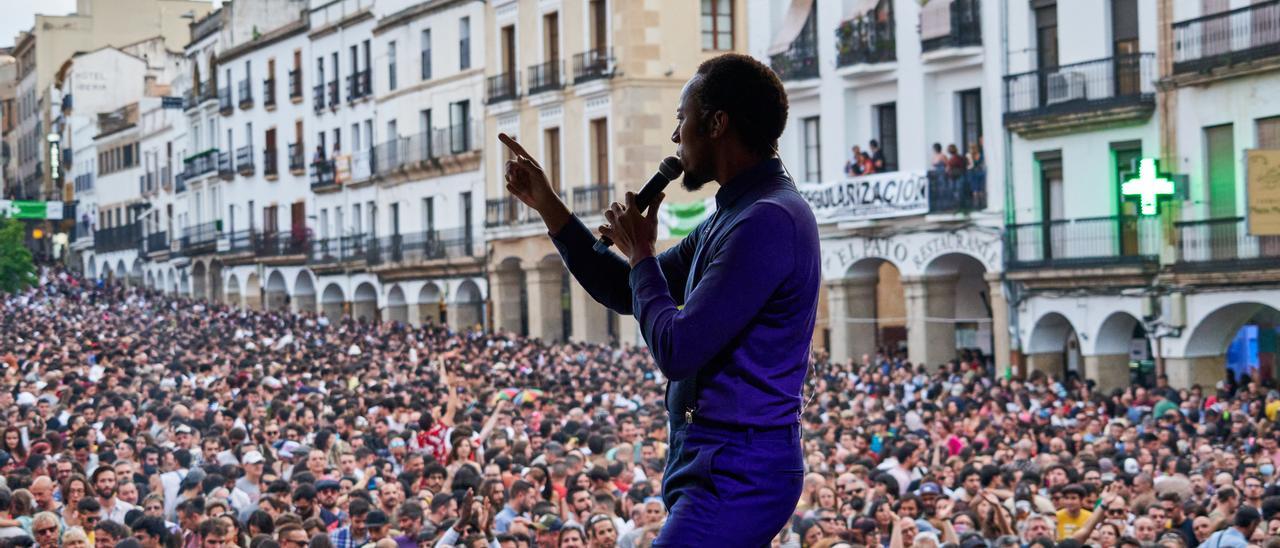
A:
[729,312]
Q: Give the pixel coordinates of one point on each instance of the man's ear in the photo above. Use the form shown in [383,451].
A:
[719,124]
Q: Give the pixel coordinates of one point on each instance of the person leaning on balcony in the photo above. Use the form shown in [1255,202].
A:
[853,167]
[939,163]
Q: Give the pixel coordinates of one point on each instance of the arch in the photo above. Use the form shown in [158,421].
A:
[397,307]
[122,275]
[1213,334]
[215,281]
[364,303]
[277,291]
[332,302]
[198,280]
[135,273]
[171,284]
[1116,334]
[867,310]
[954,287]
[1054,346]
[151,280]
[304,292]
[252,292]
[232,293]
[107,273]
[93,270]
[184,284]
[468,307]
[429,300]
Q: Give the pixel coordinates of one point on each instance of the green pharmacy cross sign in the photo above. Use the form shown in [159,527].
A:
[1148,186]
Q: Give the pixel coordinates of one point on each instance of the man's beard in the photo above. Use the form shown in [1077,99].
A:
[693,182]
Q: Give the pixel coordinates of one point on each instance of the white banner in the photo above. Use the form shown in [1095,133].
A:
[878,196]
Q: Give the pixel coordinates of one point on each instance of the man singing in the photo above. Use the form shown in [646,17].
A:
[728,313]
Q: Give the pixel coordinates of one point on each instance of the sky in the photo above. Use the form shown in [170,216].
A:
[20,15]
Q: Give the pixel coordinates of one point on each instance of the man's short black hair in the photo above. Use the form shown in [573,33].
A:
[750,93]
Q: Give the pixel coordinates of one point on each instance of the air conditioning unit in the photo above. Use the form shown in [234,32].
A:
[1065,86]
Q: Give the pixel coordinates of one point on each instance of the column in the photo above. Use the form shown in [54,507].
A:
[1049,363]
[1205,371]
[852,303]
[931,305]
[999,323]
[412,313]
[545,309]
[590,318]
[507,301]
[1108,370]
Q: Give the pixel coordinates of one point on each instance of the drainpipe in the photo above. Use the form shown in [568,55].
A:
[1012,298]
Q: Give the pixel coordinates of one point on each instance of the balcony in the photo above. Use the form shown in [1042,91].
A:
[1096,242]
[334,99]
[423,149]
[323,175]
[1078,96]
[269,92]
[317,97]
[955,24]
[180,182]
[1224,244]
[592,200]
[241,241]
[281,244]
[224,101]
[226,169]
[358,86]
[200,163]
[244,160]
[593,64]
[421,247]
[798,63]
[208,91]
[246,94]
[117,238]
[337,250]
[157,242]
[507,212]
[269,165]
[295,85]
[1220,41]
[960,193]
[191,99]
[546,76]
[201,238]
[866,40]
[297,159]
[502,87]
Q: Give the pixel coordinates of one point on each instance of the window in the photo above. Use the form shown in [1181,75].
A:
[429,213]
[465,203]
[599,36]
[812,149]
[887,135]
[717,24]
[551,33]
[395,219]
[426,54]
[1268,132]
[600,151]
[391,65]
[459,126]
[356,225]
[464,43]
[551,141]
[424,125]
[970,119]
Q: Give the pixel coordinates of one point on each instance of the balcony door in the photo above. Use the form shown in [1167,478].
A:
[1124,47]
[1046,14]
[270,220]
[1052,210]
[1220,159]
[1126,156]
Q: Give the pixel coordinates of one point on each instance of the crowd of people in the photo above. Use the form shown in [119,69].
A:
[140,420]
[958,179]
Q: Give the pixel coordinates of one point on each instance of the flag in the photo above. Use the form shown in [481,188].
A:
[679,220]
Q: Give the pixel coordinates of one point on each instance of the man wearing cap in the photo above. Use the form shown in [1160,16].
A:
[250,482]
[327,499]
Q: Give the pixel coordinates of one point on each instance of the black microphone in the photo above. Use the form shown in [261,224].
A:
[668,170]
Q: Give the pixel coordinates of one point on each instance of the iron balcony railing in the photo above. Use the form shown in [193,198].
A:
[191,99]
[961,20]
[317,97]
[281,244]
[337,250]
[866,39]
[180,182]
[323,174]
[800,62]
[269,92]
[424,246]
[246,93]
[118,238]
[1123,80]
[510,212]
[334,99]
[1084,242]
[1223,39]
[1224,243]
[201,163]
[157,242]
[295,84]
[200,238]
[244,160]
[269,158]
[546,76]
[502,87]
[209,90]
[297,160]
[592,200]
[593,64]
[226,167]
[240,241]
[358,86]
[429,146]
[224,100]
[957,192]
